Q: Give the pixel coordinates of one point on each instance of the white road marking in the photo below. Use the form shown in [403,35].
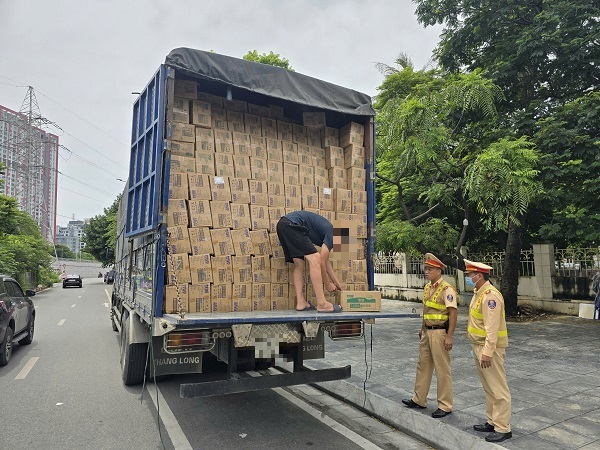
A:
[59,404]
[344,431]
[28,366]
[61,322]
[175,432]
[107,294]
[106,305]
[73,305]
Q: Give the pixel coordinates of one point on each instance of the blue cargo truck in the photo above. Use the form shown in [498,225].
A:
[154,342]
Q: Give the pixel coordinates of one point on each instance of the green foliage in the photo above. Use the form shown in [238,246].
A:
[63,251]
[271,59]
[502,182]
[22,247]
[100,234]
[402,236]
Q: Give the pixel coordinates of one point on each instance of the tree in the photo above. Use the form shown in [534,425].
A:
[22,248]
[544,57]
[440,142]
[63,251]
[272,59]
[100,234]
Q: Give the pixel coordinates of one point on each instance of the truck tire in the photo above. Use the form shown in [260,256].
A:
[112,321]
[133,357]
[6,347]
[30,329]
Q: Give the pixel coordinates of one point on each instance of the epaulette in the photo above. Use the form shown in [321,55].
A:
[488,291]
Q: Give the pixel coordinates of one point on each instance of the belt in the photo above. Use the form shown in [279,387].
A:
[437,327]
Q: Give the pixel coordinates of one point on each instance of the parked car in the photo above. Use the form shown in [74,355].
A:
[109,277]
[17,317]
[72,280]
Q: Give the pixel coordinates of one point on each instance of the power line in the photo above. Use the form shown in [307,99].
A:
[89,162]
[78,193]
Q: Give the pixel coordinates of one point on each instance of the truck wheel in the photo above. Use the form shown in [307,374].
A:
[133,357]
[112,321]
[30,329]
[6,347]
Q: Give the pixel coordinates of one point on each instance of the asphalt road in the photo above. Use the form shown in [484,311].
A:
[64,391]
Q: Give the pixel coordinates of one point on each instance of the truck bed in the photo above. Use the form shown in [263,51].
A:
[263,317]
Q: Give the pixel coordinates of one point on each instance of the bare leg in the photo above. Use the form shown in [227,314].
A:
[298,275]
[314,262]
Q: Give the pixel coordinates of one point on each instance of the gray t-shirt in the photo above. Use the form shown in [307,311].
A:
[320,230]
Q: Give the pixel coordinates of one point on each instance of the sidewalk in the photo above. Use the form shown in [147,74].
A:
[553,372]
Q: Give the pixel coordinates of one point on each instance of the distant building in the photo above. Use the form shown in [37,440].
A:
[42,203]
[71,235]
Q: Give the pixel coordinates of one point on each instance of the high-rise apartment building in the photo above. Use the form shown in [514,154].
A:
[71,235]
[33,182]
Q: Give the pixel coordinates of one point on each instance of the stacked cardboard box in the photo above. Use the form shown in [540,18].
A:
[236,168]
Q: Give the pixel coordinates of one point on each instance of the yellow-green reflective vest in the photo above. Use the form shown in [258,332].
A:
[476,329]
[435,312]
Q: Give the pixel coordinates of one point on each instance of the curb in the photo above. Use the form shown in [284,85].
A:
[438,434]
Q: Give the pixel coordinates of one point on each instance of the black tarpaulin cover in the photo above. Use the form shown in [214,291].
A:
[269,80]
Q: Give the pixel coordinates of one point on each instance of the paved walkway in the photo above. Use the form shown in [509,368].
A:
[553,371]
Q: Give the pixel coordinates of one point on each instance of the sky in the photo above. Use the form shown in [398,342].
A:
[84,59]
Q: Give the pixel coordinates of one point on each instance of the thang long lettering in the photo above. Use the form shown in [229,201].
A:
[180,360]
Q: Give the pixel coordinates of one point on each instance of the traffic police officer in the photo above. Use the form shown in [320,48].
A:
[439,322]
[487,332]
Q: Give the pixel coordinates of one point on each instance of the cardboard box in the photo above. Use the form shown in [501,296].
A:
[180,104]
[241,166]
[258,110]
[242,149]
[186,89]
[220,297]
[205,140]
[258,147]
[326,199]
[242,269]
[310,197]
[182,148]
[177,204]
[359,301]
[354,156]
[259,217]
[242,297]
[337,178]
[313,119]
[242,138]
[269,127]
[342,199]
[276,112]
[224,166]
[219,119]
[199,186]
[178,115]
[214,100]
[242,243]
[329,215]
[261,241]
[261,269]
[239,190]
[183,132]
[359,271]
[201,114]
[330,137]
[285,131]
[276,248]
[280,298]
[178,180]
[276,193]
[205,163]
[352,134]
[222,269]
[182,164]
[293,197]
[178,192]
[275,171]
[236,126]
[279,271]
[172,292]
[258,192]
[235,117]
[200,261]
[200,241]
[357,178]
[201,276]
[253,124]
[334,157]
[240,215]
[313,137]
[298,134]
[179,239]
[222,242]
[199,299]
[177,218]
[290,153]
[219,188]
[261,296]
[200,213]
[179,260]
[177,276]
[307,175]
[291,174]
[258,167]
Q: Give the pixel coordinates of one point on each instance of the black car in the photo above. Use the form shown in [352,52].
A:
[72,280]
[109,277]
[17,317]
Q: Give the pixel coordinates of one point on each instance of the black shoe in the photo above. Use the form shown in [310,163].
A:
[498,437]
[438,413]
[484,427]
[410,404]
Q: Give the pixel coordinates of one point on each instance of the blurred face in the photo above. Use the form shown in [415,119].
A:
[474,276]
[337,243]
[432,273]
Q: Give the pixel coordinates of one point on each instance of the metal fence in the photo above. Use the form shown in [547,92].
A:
[578,262]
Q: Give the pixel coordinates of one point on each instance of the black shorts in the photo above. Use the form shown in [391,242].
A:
[294,240]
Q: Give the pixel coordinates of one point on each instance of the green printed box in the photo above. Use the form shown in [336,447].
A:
[359,301]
